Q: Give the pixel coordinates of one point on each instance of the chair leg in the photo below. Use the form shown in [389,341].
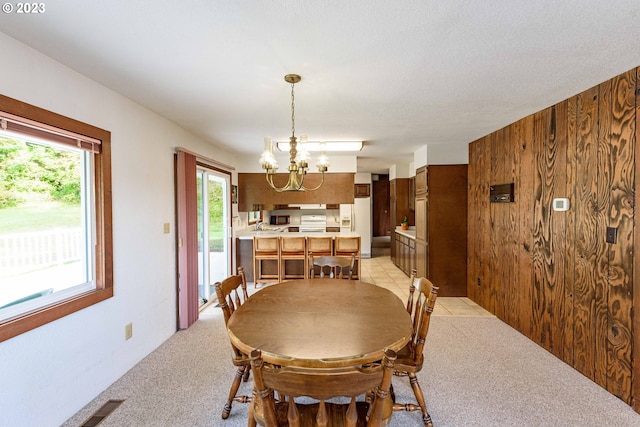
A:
[245,377]
[235,385]
[417,391]
[251,422]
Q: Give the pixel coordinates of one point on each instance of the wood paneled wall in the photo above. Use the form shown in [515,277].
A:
[551,274]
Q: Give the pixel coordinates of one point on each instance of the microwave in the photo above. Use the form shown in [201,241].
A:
[279,219]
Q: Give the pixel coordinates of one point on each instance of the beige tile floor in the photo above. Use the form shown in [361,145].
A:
[381,271]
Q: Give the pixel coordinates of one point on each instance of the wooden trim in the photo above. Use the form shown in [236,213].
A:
[206,160]
[104,240]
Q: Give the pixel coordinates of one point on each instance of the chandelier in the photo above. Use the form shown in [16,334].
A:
[298,154]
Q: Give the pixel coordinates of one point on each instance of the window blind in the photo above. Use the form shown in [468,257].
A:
[22,127]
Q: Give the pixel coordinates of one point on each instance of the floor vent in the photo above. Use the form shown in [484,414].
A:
[102,413]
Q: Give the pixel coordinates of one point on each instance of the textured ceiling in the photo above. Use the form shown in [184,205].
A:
[397,74]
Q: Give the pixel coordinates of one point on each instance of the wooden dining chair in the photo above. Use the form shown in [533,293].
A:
[232,293]
[333,266]
[321,384]
[346,247]
[266,249]
[422,298]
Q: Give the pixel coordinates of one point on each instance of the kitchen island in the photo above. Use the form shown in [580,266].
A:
[244,245]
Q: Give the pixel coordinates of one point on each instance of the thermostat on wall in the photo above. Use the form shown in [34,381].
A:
[561,204]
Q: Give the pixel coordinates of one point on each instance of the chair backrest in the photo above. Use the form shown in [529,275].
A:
[420,306]
[323,384]
[320,245]
[232,293]
[266,246]
[293,246]
[332,264]
[346,245]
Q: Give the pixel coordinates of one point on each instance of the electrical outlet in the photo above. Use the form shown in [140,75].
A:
[128,331]
[612,235]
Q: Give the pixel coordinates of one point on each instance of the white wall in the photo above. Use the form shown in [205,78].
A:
[448,154]
[48,374]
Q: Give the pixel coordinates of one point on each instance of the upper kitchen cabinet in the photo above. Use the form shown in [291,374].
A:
[399,202]
[253,189]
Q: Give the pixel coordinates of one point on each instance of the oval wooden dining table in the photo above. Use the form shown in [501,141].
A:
[321,323]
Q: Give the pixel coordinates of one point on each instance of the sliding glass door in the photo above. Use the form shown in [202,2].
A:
[214,254]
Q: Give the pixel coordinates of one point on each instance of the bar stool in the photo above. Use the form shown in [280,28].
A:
[346,247]
[265,249]
[318,246]
[293,248]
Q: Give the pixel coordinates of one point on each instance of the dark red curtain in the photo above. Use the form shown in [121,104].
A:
[187,211]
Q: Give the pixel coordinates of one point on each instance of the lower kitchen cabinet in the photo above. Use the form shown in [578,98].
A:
[405,253]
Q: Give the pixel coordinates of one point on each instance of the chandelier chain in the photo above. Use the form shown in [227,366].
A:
[293,112]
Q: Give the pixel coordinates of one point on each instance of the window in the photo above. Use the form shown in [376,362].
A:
[55,217]
[254,216]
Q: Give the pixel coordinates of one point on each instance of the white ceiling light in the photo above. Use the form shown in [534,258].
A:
[328,146]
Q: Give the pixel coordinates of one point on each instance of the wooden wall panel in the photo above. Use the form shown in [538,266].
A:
[485,229]
[603,179]
[523,137]
[556,187]
[621,211]
[551,274]
[472,221]
[635,350]
[539,216]
[497,211]
[570,221]
[586,231]
[510,253]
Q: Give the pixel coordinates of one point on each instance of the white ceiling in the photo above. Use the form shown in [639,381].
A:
[397,74]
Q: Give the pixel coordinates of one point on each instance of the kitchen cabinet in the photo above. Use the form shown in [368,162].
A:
[405,253]
[362,190]
[399,202]
[412,193]
[441,227]
[253,189]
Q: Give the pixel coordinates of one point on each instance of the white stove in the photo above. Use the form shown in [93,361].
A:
[313,223]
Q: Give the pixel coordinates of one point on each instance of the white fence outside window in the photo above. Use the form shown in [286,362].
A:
[25,252]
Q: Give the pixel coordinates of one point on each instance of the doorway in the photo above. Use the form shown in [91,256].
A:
[213,210]
[381,206]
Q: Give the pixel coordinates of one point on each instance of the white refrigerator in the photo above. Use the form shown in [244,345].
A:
[346,218]
[357,217]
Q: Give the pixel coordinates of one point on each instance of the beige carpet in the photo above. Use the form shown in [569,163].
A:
[479,372]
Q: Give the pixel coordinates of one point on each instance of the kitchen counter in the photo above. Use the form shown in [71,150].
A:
[410,233]
[249,234]
[244,249]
